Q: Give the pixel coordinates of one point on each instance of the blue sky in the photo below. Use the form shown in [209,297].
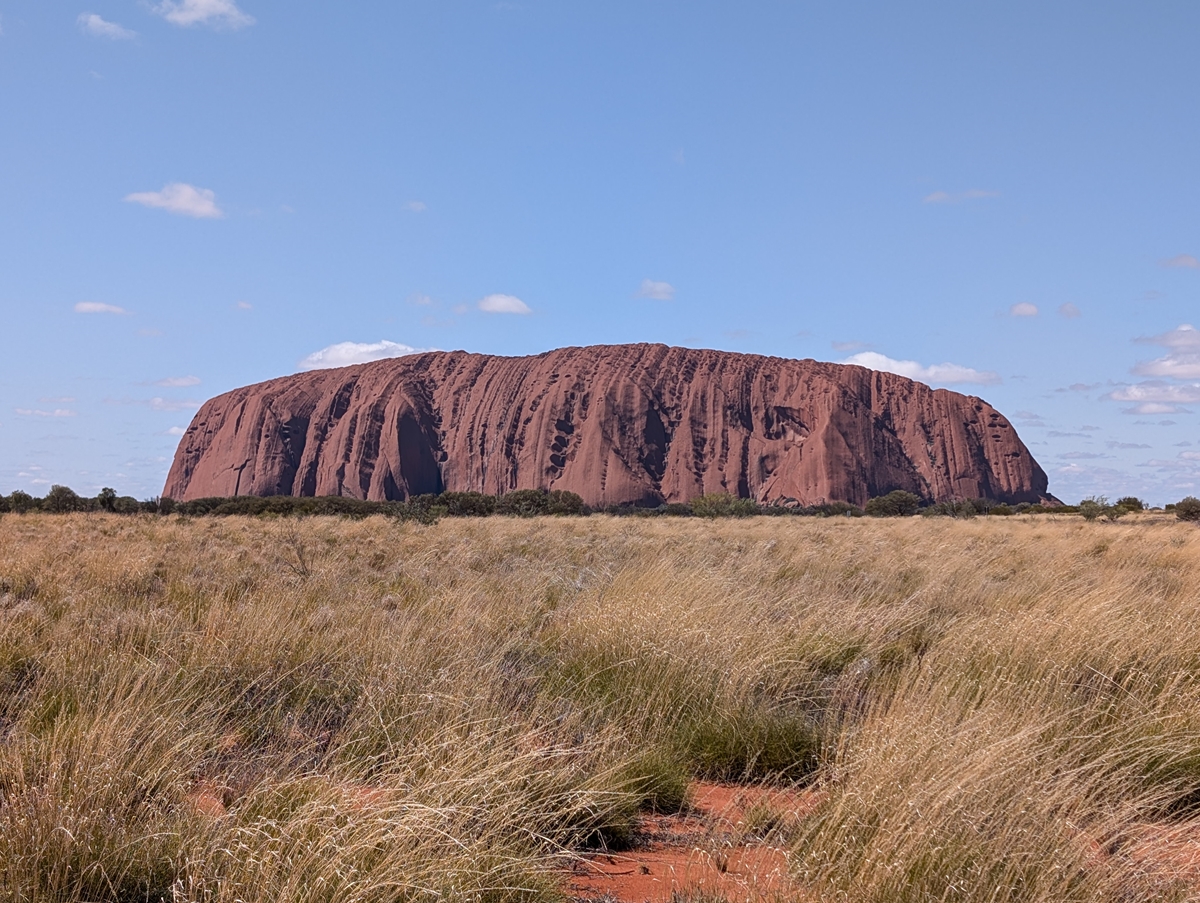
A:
[200,194]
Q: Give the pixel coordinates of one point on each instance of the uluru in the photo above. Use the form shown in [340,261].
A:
[618,424]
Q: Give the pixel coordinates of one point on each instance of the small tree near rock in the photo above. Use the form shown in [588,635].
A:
[60,500]
[1188,508]
[897,503]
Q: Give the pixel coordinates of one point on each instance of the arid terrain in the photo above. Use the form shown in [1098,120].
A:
[621,709]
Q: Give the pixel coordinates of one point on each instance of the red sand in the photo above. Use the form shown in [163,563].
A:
[712,849]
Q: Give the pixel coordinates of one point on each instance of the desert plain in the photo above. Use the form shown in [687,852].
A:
[598,709]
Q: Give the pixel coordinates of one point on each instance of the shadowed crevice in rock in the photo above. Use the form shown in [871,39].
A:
[618,424]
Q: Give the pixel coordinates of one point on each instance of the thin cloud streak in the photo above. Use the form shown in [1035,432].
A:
[656,291]
[95,307]
[947,197]
[180,198]
[221,13]
[98,27]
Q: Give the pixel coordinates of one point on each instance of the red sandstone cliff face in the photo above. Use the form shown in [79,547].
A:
[614,423]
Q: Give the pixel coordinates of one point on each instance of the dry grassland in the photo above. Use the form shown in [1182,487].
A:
[1001,709]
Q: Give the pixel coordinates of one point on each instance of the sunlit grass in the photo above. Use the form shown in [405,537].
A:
[327,710]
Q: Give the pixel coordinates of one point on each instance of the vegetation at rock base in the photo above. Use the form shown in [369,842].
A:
[537,502]
[331,709]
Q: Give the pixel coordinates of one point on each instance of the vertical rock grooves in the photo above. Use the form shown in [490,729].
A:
[617,424]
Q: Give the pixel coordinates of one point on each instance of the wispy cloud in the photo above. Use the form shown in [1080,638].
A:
[175,431]
[244,305]
[1069,310]
[180,198]
[177,382]
[656,291]
[849,346]
[948,197]
[1023,309]
[95,307]
[1180,261]
[32,412]
[1156,397]
[94,25]
[943,374]
[343,354]
[223,13]
[416,206]
[504,304]
[1182,360]
[171,404]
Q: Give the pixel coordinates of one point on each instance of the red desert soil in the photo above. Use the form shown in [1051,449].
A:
[719,846]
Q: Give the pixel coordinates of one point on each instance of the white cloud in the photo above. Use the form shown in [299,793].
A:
[181,198]
[94,25]
[1180,261]
[57,412]
[176,431]
[169,404]
[343,354]
[416,206]
[95,307]
[943,374]
[1183,358]
[1024,309]
[177,382]
[946,197]
[1154,407]
[203,12]
[1157,392]
[1069,310]
[244,305]
[504,304]
[656,291]
[1156,397]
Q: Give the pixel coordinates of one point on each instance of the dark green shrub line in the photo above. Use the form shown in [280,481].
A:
[539,502]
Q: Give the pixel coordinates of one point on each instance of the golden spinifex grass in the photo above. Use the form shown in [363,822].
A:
[326,710]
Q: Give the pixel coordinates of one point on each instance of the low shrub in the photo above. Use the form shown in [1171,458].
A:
[722,504]
[524,503]
[897,503]
[468,504]
[1188,508]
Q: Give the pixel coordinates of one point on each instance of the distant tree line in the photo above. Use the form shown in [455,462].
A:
[538,502]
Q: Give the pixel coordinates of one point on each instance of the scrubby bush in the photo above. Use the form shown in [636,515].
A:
[523,503]
[1092,507]
[1188,508]
[468,504]
[1131,503]
[961,508]
[21,502]
[897,503]
[722,504]
[562,502]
